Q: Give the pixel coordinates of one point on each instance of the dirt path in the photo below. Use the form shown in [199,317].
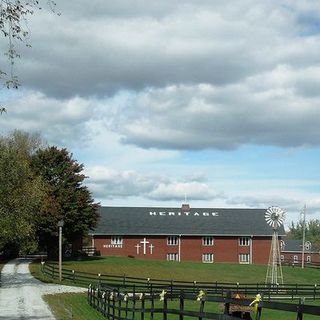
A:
[21,294]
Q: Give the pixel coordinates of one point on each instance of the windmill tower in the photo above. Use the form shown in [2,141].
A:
[274,217]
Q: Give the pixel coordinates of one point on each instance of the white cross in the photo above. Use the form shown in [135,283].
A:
[144,242]
[138,247]
[151,247]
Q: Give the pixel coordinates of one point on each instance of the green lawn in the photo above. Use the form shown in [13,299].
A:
[74,306]
[188,271]
[66,305]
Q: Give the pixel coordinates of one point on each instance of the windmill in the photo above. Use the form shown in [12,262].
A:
[274,217]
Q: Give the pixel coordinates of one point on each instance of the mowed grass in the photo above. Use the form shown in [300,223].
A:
[189,271]
[75,306]
[67,306]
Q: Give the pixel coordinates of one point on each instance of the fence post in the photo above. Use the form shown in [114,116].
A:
[171,289]
[73,276]
[152,305]
[165,308]
[105,303]
[227,304]
[113,304]
[259,311]
[109,302]
[201,309]
[142,307]
[315,291]
[300,309]
[124,280]
[53,271]
[119,304]
[181,307]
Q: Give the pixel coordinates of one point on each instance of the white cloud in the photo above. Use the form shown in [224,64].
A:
[108,183]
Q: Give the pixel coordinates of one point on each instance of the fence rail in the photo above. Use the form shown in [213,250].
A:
[116,305]
[134,284]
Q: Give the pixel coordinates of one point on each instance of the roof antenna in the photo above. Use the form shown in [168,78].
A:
[185,206]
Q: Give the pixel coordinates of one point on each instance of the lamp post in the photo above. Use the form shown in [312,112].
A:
[60,225]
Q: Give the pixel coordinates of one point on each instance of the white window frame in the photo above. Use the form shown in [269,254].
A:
[207,241]
[117,240]
[172,240]
[207,257]
[244,258]
[295,258]
[282,257]
[308,258]
[172,256]
[244,241]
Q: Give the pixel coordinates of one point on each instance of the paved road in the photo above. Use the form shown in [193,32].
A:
[21,294]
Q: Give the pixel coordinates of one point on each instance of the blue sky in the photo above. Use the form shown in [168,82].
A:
[158,99]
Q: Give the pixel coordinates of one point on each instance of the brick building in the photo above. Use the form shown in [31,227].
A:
[291,253]
[184,234]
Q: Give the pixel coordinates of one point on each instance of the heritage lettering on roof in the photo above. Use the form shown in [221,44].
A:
[183,213]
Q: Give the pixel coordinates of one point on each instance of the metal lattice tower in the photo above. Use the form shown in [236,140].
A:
[274,217]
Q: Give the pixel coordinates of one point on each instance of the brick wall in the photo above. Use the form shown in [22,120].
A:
[224,249]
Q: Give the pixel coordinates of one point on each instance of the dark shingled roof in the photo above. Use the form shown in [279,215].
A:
[216,221]
[293,246]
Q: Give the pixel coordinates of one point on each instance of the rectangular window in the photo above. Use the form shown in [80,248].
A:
[295,258]
[244,241]
[244,258]
[172,241]
[308,258]
[116,240]
[172,257]
[207,241]
[207,257]
[282,257]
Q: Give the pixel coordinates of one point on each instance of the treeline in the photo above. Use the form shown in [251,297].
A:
[39,186]
[312,232]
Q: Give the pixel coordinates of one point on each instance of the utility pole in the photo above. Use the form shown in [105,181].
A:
[303,234]
[60,225]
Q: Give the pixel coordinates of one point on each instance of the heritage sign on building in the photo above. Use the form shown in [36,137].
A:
[185,234]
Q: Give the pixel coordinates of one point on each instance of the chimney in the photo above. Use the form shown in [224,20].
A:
[185,207]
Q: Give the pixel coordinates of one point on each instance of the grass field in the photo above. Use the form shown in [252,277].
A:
[75,306]
[188,271]
[65,305]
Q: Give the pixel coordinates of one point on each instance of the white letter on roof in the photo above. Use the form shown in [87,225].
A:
[170,213]
[153,213]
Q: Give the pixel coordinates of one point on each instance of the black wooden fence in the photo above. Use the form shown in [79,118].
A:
[133,284]
[123,306]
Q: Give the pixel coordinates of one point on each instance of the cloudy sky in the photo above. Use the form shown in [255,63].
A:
[216,100]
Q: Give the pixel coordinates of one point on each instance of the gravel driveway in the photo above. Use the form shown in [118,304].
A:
[21,294]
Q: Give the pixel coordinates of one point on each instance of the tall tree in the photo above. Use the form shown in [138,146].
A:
[21,193]
[66,197]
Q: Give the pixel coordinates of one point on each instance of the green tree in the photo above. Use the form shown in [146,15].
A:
[21,193]
[66,197]
[312,232]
